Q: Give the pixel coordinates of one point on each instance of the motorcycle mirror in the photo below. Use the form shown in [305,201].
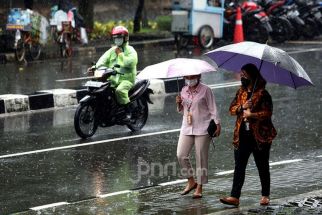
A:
[117,66]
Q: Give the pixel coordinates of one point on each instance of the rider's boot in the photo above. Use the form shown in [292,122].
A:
[128,112]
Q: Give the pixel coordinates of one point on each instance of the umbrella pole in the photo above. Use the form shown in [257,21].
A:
[259,70]
[178,85]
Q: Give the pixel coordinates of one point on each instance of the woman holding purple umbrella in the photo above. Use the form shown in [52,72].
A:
[197,103]
[253,132]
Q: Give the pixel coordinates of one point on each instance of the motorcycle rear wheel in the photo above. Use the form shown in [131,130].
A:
[84,120]
[282,30]
[20,51]
[139,115]
[255,31]
[35,50]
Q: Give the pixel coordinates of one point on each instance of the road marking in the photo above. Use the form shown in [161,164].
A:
[113,194]
[88,144]
[173,182]
[224,85]
[304,51]
[320,156]
[285,162]
[49,206]
[225,172]
[75,79]
[271,164]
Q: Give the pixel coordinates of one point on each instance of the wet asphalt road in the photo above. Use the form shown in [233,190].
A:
[67,169]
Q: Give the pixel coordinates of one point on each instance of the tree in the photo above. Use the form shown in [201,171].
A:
[138,16]
[86,9]
[29,4]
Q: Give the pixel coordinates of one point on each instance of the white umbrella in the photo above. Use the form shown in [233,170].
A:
[177,67]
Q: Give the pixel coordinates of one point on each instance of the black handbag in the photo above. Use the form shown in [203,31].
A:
[212,127]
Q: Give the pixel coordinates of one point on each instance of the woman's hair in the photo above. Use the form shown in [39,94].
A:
[254,74]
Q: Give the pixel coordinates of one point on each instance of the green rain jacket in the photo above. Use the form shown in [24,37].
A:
[127,60]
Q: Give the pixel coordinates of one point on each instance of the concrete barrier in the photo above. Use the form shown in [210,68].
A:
[68,97]
[62,97]
[15,103]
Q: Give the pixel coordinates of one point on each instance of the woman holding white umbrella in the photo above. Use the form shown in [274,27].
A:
[197,103]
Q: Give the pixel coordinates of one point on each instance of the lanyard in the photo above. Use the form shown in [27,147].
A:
[189,102]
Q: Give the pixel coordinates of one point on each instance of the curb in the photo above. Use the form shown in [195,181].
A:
[275,204]
[57,98]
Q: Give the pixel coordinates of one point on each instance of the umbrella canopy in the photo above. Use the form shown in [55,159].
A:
[275,65]
[177,67]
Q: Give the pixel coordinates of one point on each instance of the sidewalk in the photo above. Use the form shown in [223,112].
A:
[51,49]
[287,198]
[166,200]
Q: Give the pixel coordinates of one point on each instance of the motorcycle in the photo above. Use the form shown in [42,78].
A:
[310,14]
[256,24]
[100,107]
[297,22]
[282,27]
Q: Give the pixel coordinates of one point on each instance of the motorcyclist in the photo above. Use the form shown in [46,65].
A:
[125,56]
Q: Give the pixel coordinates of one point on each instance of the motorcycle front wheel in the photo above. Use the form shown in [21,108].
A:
[139,115]
[84,120]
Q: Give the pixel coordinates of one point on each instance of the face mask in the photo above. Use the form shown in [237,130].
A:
[191,83]
[118,41]
[245,82]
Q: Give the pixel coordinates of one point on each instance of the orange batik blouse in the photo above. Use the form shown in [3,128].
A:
[261,124]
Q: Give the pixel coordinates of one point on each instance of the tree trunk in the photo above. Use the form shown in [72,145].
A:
[86,10]
[138,16]
[29,4]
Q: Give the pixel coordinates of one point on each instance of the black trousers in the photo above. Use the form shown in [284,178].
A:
[248,145]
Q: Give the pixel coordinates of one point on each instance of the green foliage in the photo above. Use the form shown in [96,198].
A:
[103,30]
[164,23]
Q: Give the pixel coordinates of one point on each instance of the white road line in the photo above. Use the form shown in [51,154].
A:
[271,164]
[320,156]
[88,144]
[49,206]
[225,172]
[173,182]
[304,51]
[75,79]
[224,85]
[114,194]
[285,162]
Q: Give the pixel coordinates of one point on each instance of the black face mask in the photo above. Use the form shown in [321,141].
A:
[245,82]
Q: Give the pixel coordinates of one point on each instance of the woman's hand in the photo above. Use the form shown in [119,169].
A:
[179,105]
[178,99]
[247,114]
[218,130]
[247,104]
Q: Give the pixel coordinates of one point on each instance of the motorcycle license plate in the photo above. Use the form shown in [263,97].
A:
[96,84]
[296,13]
[317,15]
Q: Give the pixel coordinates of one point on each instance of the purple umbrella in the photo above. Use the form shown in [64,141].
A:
[275,65]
